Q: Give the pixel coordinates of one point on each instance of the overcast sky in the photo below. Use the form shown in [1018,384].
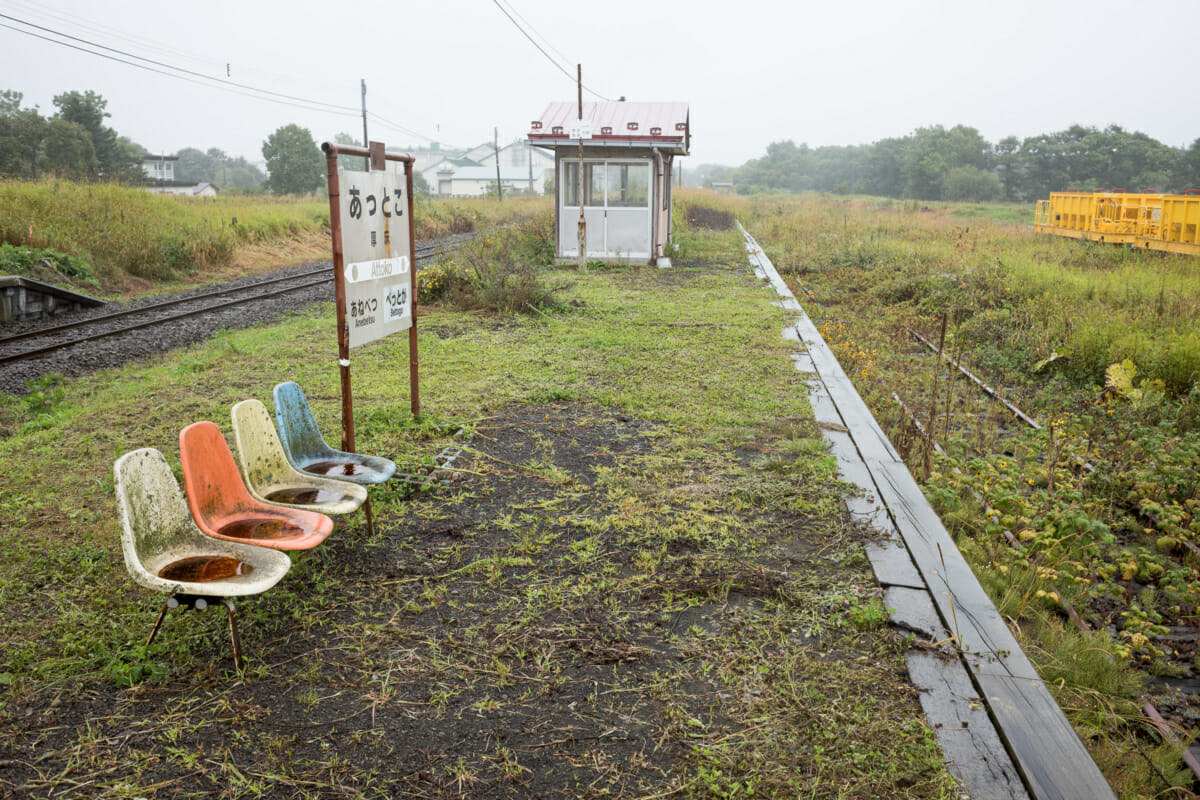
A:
[828,73]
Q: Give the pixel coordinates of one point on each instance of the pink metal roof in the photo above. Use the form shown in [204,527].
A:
[618,123]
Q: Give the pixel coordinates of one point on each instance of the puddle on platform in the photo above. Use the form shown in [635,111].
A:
[260,529]
[335,469]
[201,569]
[305,496]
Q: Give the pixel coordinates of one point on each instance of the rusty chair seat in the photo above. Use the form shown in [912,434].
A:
[307,450]
[224,508]
[165,551]
[270,477]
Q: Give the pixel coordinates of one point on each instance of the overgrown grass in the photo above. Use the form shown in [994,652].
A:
[694,609]
[131,237]
[32,261]
[1100,344]
[1094,305]
[501,270]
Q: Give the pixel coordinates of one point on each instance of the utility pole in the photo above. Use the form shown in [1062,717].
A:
[366,141]
[496,148]
[582,220]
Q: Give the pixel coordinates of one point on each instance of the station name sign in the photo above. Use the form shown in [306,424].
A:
[377,254]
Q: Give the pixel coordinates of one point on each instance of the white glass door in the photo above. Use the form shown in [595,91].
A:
[616,207]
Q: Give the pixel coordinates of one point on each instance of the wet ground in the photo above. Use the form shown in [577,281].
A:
[558,622]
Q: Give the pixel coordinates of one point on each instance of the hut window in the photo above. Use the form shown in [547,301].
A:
[593,184]
[628,184]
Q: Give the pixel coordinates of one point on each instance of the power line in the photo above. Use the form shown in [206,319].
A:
[216,81]
[209,64]
[191,76]
[562,56]
[542,50]
[397,127]
[156,45]
[172,75]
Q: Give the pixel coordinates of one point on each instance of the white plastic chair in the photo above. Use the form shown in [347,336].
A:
[165,551]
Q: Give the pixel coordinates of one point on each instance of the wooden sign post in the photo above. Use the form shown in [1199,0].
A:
[374,264]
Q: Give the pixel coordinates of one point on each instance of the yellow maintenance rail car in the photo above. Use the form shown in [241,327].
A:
[1169,222]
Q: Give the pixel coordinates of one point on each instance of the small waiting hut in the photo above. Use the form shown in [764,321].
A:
[628,153]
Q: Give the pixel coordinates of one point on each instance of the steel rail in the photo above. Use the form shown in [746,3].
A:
[25,354]
[66,326]
[999,398]
[1089,466]
[163,320]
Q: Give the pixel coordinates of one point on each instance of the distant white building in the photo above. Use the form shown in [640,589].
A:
[523,168]
[521,155]
[186,190]
[160,169]
[479,181]
[442,169]
[160,178]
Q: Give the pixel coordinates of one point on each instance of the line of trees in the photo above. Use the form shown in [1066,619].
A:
[74,142]
[217,167]
[937,163]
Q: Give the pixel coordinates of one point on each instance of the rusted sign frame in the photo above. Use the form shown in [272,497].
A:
[377,158]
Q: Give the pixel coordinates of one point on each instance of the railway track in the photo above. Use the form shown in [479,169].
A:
[105,338]
[67,334]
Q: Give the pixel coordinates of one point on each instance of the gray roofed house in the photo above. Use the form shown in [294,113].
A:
[477,181]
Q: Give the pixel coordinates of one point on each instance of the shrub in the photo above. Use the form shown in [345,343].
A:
[436,281]
[499,274]
[23,260]
[537,240]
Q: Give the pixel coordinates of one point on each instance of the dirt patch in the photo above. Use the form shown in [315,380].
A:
[711,218]
[584,613]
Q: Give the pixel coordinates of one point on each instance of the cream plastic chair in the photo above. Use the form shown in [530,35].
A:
[165,551]
[269,475]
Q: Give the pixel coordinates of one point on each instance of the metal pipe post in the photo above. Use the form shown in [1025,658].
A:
[414,370]
[339,292]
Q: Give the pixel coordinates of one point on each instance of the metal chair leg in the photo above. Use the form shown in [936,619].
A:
[200,603]
[158,622]
[233,634]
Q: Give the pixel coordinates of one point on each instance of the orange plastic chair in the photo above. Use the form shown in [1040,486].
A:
[223,507]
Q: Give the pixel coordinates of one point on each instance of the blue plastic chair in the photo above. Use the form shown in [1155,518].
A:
[307,450]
